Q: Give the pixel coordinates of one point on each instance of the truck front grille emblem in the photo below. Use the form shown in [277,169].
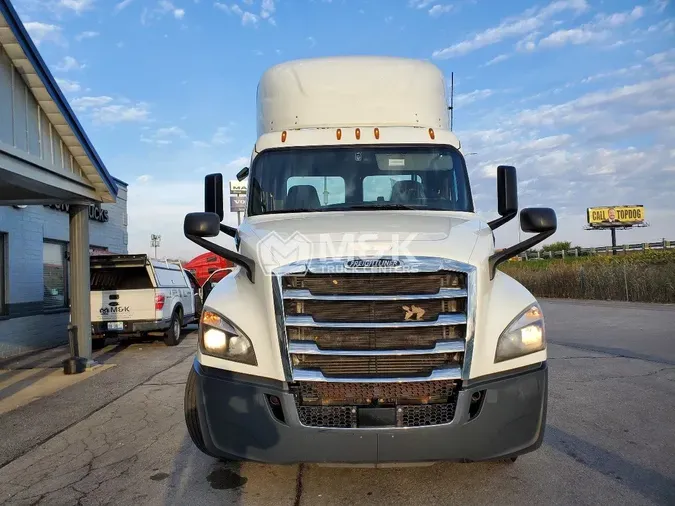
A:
[413,310]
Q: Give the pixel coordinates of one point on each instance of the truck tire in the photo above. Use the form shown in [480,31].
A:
[98,344]
[192,415]
[172,337]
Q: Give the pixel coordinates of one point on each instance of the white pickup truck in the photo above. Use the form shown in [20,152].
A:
[134,295]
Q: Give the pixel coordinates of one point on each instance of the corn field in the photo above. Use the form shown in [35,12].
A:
[640,277]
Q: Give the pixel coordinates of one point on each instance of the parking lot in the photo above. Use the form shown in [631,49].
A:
[610,437]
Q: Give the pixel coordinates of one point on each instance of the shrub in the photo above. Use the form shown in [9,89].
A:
[639,277]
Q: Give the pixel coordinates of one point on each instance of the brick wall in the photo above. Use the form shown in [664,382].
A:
[25,231]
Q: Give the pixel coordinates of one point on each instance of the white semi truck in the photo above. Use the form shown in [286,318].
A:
[367,322]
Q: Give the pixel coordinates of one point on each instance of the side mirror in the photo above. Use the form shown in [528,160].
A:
[539,220]
[242,174]
[201,224]
[213,195]
[507,195]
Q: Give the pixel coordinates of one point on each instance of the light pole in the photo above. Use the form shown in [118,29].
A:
[155,241]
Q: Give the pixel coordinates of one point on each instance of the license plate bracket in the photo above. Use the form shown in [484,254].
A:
[376,417]
[115,325]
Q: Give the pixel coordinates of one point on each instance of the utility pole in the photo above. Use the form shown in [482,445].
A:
[155,241]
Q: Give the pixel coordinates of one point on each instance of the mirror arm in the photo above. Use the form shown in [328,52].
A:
[247,263]
[516,249]
[498,222]
[226,229]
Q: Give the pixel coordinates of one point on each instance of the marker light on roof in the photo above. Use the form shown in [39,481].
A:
[283,136]
[377,133]
[339,133]
[432,134]
[358,134]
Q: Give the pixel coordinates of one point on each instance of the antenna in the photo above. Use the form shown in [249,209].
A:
[452,98]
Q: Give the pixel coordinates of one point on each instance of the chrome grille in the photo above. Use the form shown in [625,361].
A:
[373,339]
[421,338]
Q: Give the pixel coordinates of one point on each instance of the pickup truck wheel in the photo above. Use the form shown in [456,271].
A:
[98,344]
[192,415]
[173,333]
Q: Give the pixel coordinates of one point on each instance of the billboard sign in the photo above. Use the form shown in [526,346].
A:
[237,204]
[238,187]
[615,216]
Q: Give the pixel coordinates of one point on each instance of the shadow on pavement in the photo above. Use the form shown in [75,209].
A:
[649,483]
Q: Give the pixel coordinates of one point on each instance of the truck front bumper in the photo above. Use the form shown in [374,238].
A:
[237,421]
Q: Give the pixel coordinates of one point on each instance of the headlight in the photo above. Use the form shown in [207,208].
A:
[525,335]
[220,338]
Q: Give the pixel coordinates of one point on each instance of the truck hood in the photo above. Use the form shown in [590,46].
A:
[281,239]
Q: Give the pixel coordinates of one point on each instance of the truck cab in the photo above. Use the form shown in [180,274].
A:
[366,321]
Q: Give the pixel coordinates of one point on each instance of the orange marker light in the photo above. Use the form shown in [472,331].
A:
[339,133]
[283,136]
[432,134]
[358,133]
[377,133]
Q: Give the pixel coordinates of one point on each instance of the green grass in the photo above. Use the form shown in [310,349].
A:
[638,277]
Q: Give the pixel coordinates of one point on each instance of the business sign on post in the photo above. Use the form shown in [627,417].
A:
[237,204]
[238,187]
[615,216]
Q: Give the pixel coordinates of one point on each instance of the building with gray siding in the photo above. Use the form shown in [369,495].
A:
[34,248]
[57,201]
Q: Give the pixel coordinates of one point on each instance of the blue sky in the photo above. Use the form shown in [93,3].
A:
[578,94]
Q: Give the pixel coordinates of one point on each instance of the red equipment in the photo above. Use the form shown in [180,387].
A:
[206,264]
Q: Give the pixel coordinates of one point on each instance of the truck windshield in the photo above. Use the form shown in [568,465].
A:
[359,178]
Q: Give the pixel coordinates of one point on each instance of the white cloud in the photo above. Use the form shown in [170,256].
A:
[86,35]
[164,136]
[247,17]
[221,136]
[78,6]
[68,63]
[420,4]
[574,36]
[121,113]
[179,13]
[267,8]
[598,30]
[107,110]
[144,178]
[122,5]
[663,62]
[41,32]
[85,103]
[468,98]
[632,70]
[438,10]
[312,41]
[68,86]
[527,22]
[497,59]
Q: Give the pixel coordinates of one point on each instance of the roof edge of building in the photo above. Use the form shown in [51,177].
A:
[34,57]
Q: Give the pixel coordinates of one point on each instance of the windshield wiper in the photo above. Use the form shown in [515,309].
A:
[379,206]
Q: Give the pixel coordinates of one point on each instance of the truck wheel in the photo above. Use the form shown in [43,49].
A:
[173,333]
[191,414]
[98,344]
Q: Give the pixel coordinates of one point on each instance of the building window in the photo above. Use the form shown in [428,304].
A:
[3,274]
[55,275]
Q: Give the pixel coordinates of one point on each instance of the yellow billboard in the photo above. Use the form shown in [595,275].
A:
[621,216]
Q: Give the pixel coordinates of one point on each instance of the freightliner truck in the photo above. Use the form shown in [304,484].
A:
[366,322]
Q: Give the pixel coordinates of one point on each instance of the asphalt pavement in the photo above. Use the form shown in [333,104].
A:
[610,437]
